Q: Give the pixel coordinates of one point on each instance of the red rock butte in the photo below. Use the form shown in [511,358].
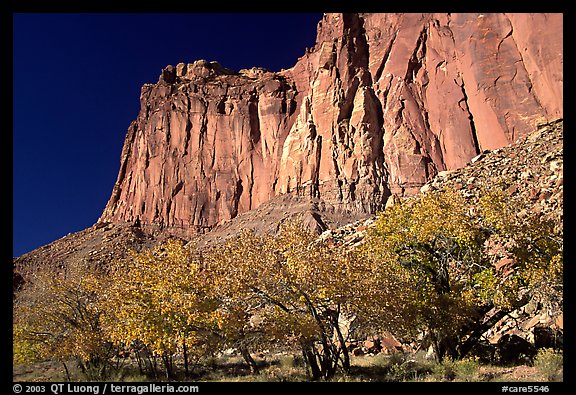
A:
[379,106]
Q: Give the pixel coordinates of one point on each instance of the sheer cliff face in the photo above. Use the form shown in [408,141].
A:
[379,106]
[204,147]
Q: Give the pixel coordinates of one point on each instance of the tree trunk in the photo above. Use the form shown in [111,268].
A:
[327,360]
[249,360]
[140,362]
[152,364]
[444,346]
[185,352]
[67,371]
[342,346]
[168,366]
[311,361]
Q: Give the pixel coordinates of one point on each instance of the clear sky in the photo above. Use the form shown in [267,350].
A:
[76,88]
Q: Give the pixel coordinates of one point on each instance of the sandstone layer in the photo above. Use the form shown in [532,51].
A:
[379,106]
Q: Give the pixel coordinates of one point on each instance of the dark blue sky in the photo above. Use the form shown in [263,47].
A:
[76,88]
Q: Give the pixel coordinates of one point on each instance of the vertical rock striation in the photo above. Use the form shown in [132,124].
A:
[203,148]
[380,105]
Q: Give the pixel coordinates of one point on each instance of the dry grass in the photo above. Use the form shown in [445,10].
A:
[286,367]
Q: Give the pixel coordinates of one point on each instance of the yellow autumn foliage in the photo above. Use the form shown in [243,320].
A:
[428,265]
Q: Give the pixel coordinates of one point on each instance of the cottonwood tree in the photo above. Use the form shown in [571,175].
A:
[57,315]
[435,251]
[289,287]
[437,264]
[238,269]
[160,300]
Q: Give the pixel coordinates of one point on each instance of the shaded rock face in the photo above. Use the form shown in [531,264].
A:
[379,106]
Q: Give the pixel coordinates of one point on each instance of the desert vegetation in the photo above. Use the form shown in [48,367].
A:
[429,271]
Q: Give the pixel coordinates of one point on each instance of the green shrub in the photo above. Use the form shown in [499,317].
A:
[287,361]
[549,364]
[445,371]
[396,358]
[467,369]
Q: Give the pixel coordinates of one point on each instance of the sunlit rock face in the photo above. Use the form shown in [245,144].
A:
[379,106]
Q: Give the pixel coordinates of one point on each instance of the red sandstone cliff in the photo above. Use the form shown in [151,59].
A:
[380,105]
